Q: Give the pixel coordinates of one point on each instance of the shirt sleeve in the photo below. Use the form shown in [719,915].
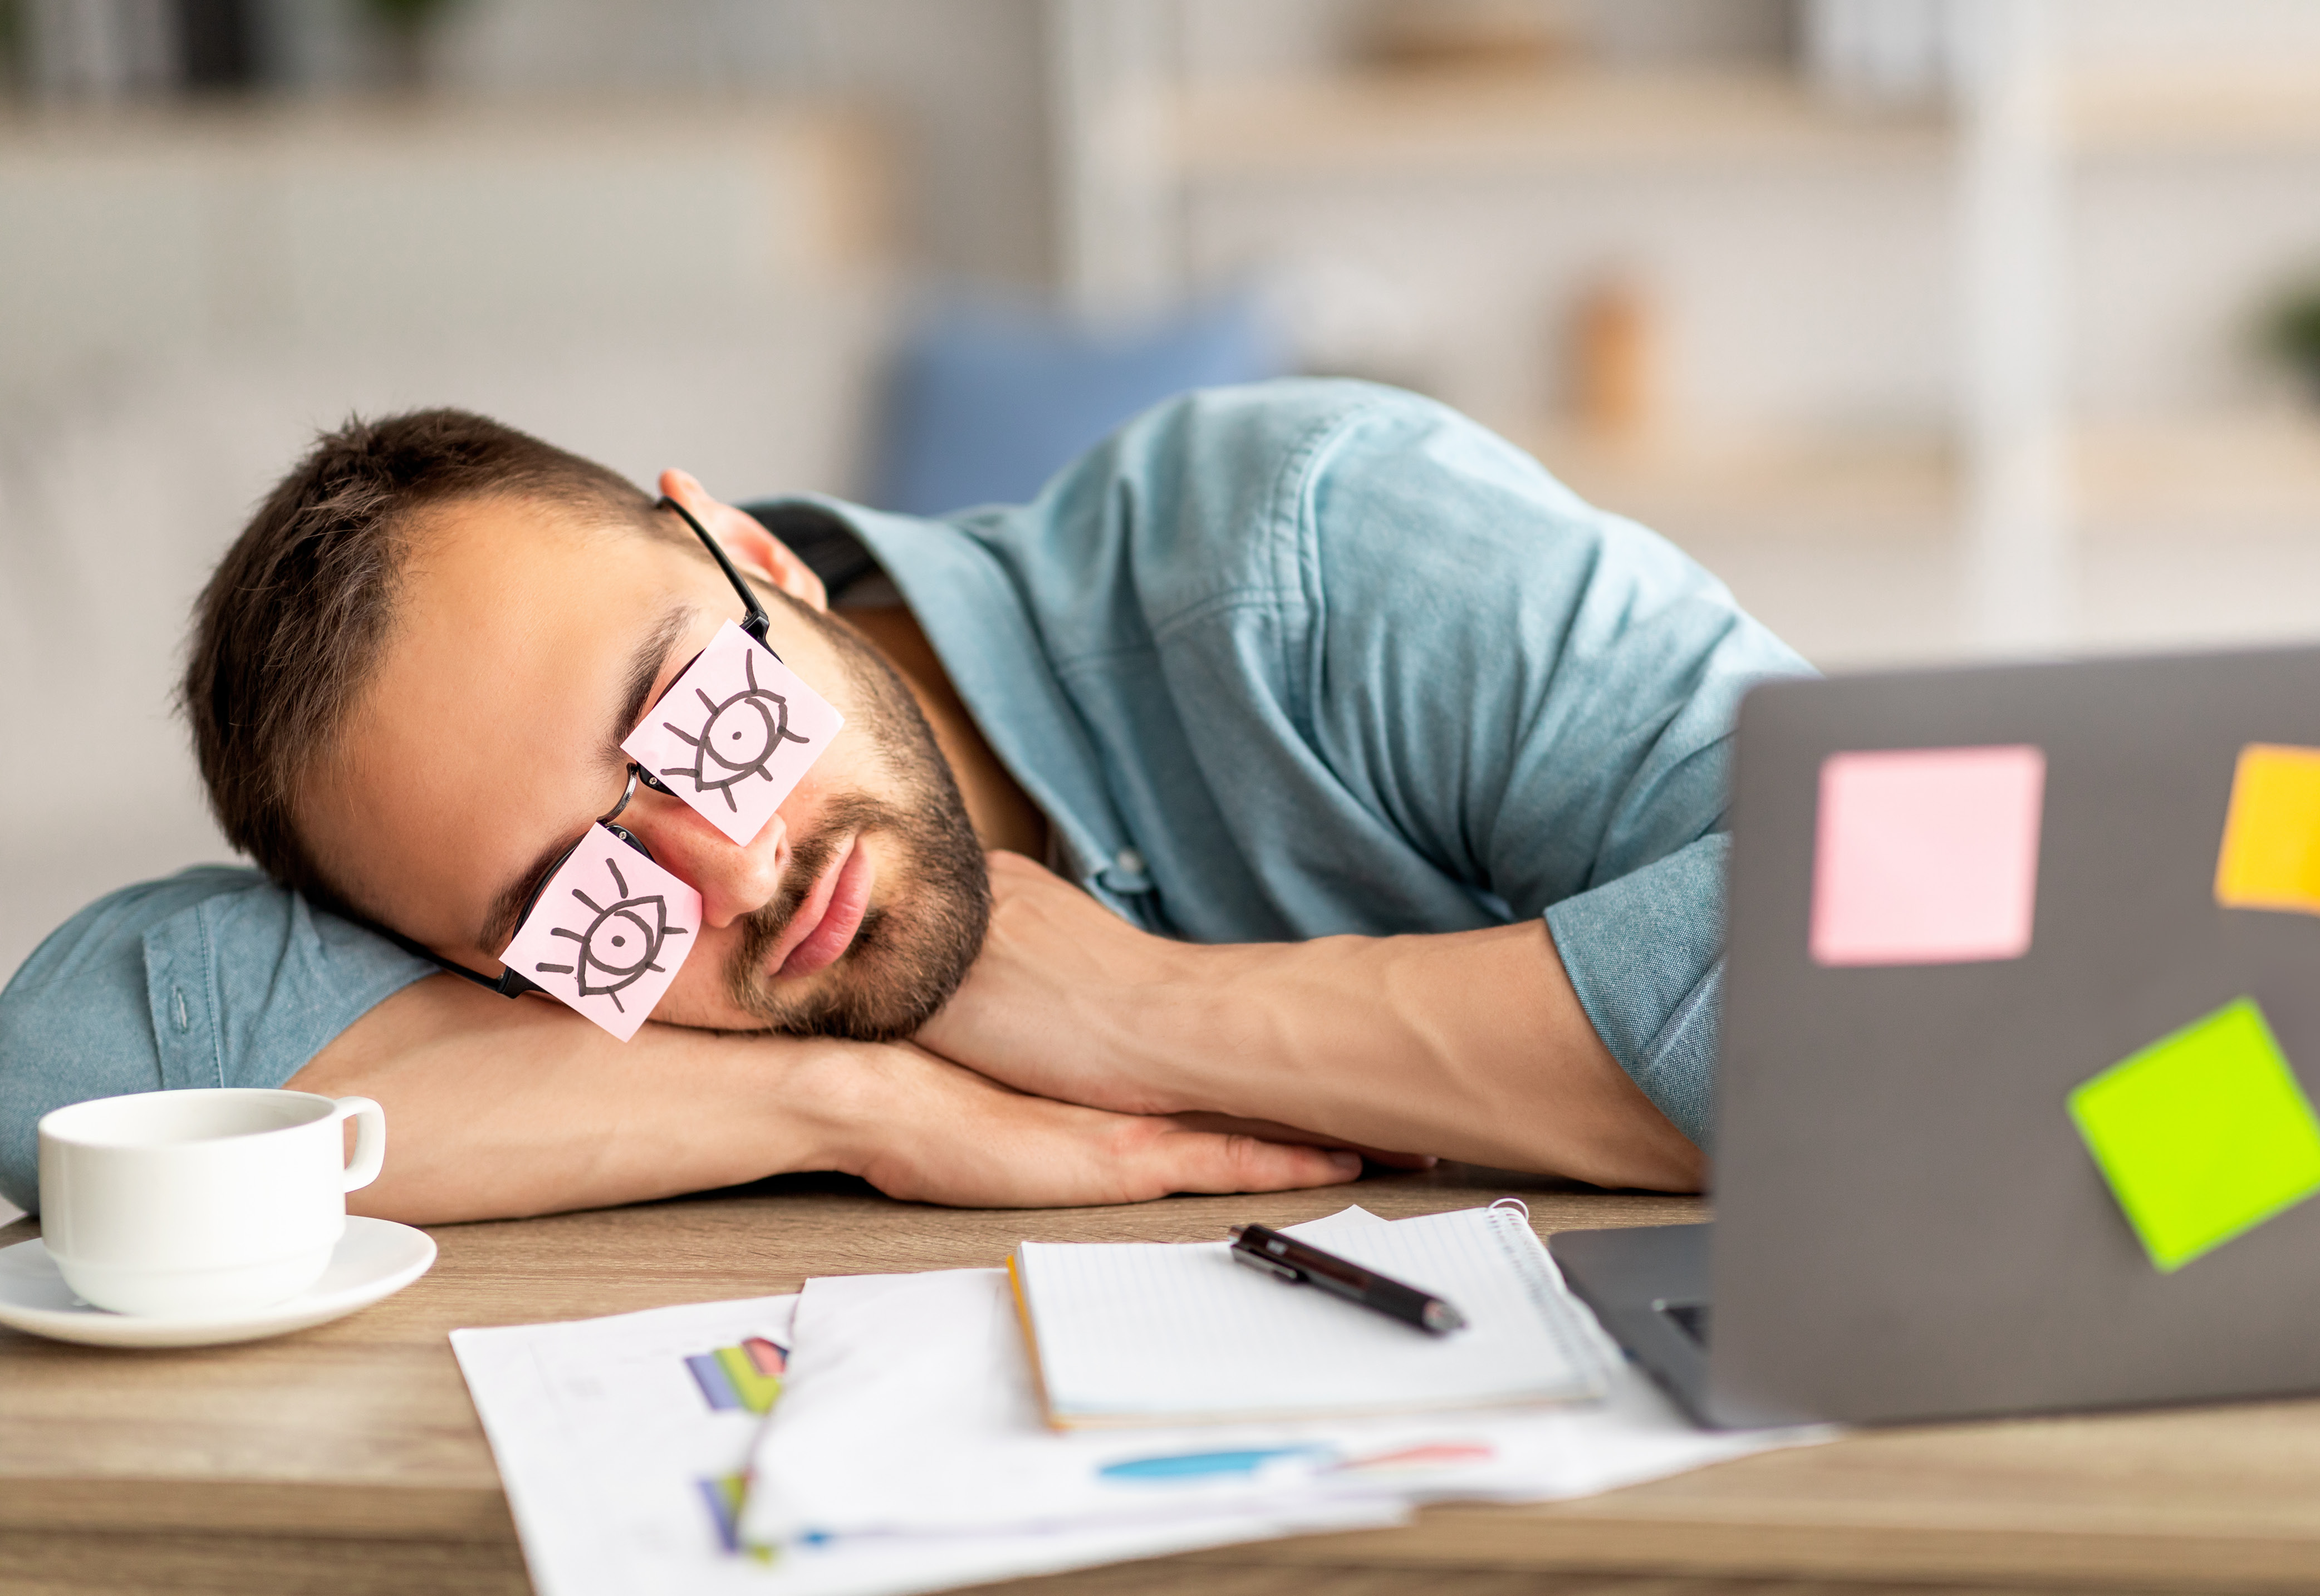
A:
[1539,695]
[213,977]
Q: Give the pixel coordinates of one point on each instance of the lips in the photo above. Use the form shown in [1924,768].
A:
[826,923]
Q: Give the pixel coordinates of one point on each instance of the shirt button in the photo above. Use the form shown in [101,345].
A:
[1129,862]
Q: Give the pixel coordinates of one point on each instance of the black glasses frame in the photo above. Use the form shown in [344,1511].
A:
[509,983]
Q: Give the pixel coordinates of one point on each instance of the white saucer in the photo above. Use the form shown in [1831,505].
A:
[375,1258]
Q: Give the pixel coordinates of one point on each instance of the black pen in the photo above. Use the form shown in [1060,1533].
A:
[1289,1259]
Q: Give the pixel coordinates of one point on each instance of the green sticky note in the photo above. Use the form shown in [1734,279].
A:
[2203,1135]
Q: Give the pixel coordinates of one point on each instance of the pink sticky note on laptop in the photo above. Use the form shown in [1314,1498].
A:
[734,733]
[610,932]
[1927,856]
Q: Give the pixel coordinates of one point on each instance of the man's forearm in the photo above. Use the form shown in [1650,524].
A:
[1470,1045]
[497,1109]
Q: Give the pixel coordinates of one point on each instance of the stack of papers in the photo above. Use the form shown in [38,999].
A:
[1141,1334]
[906,1449]
[625,1472]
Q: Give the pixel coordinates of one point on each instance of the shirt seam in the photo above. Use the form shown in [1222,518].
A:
[1654,1066]
[1239,598]
[211,992]
[1287,510]
[1295,511]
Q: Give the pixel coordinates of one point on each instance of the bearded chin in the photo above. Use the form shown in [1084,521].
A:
[916,942]
[907,958]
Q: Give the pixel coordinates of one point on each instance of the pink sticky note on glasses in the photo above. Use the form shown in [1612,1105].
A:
[735,733]
[1927,856]
[610,932]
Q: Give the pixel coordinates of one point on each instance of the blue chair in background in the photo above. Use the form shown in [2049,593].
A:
[987,401]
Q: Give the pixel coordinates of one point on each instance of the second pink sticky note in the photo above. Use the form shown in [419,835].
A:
[610,932]
[1927,856]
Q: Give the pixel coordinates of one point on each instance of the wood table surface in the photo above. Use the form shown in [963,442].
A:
[347,1458]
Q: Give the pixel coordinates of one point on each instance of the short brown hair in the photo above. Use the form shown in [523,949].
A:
[294,618]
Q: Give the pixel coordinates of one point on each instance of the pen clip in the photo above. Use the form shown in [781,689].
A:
[1252,1251]
[1257,1260]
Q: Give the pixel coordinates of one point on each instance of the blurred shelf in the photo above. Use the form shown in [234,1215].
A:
[804,188]
[1461,123]
[2195,108]
[129,233]
[2253,474]
[1696,485]
[2232,475]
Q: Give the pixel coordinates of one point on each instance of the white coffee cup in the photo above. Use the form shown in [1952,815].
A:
[202,1201]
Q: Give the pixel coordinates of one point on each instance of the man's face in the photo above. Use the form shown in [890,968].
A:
[526,642]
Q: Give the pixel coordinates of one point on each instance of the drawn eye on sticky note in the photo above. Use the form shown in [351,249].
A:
[1927,856]
[609,933]
[735,733]
[2270,854]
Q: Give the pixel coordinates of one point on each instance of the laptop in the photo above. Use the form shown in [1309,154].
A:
[1910,1223]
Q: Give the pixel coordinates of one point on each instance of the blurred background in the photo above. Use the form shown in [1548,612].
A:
[1940,328]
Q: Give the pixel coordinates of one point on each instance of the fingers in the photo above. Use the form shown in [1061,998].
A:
[947,1135]
[1392,1160]
[1181,1160]
[1273,1131]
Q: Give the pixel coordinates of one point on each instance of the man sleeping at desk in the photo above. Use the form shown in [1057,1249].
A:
[1377,781]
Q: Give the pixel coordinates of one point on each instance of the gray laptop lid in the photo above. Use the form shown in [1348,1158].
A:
[1908,1224]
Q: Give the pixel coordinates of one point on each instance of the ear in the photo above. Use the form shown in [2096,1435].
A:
[744,536]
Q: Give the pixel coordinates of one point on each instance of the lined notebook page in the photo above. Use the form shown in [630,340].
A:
[1138,1333]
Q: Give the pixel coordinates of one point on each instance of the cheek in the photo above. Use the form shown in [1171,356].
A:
[704,968]
[697,997]
[854,765]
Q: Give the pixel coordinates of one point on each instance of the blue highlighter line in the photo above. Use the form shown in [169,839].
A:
[1195,1465]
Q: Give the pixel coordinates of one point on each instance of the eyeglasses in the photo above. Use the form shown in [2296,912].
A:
[604,965]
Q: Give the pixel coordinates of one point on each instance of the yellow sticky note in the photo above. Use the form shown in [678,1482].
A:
[2270,857]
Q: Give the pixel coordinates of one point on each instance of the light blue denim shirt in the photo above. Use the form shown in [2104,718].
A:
[1277,662]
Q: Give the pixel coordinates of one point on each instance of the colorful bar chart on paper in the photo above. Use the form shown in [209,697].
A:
[723,1494]
[746,1377]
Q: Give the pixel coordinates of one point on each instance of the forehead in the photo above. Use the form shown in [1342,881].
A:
[487,723]
[526,604]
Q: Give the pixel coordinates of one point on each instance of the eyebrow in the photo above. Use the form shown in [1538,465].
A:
[635,696]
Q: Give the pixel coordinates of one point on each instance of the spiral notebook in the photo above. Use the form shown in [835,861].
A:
[1129,1333]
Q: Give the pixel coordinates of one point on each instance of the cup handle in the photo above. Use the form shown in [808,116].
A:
[370,1139]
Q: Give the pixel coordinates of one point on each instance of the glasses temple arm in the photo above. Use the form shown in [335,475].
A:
[755,622]
[509,984]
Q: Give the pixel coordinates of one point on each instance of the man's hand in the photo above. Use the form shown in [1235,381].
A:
[1058,977]
[952,1136]
[496,1110]
[1467,1045]
[1058,971]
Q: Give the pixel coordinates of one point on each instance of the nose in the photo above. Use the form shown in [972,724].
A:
[733,880]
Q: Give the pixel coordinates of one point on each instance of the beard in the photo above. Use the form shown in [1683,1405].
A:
[912,950]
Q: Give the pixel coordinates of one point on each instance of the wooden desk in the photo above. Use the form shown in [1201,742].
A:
[347,1459]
